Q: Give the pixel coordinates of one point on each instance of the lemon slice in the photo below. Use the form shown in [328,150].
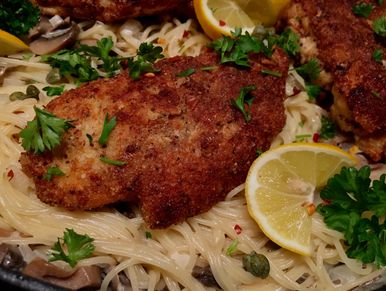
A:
[10,44]
[220,17]
[280,190]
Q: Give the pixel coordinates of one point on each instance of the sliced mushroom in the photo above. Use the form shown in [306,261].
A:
[46,45]
[43,26]
[75,279]
[47,25]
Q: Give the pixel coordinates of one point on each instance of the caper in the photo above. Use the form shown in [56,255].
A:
[17,96]
[256,264]
[53,76]
[32,92]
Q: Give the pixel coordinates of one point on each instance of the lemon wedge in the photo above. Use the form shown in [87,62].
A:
[221,17]
[280,190]
[10,44]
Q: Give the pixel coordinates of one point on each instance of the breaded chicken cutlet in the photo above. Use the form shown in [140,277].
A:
[109,10]
[345,43]
[185,145]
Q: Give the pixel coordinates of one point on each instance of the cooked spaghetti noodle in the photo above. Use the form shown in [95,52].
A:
[168,258]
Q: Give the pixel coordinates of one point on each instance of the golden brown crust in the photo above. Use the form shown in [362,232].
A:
[108,10]
[345,46]
[184,144]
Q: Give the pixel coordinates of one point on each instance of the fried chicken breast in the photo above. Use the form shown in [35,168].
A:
[345,43]
[185,146]
[108,10]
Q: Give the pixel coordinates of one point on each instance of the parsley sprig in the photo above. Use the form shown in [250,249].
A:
[235,50]
[86,63]
[356,207]
[72,248]
[309,71]
[18,16]
[147,54]
[244,98]
[44,132]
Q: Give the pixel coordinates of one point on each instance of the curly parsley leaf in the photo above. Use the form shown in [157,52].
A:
[355,207]
[44,132]
[289,41]
[72,248]
[309,71]
[147,54]
[328,129]
[379,26]
[244,98]
[108,126]
[362,9]
[54,91]
[52,171]
[18,16]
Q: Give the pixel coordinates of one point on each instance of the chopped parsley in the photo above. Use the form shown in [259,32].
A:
[272,73]
[258,152]
[379,26]
[328,129]
[236,49]
[108,126]
[44,132]
[90,139]
[302,137]
[288,41]
[208,68]
[313,91]
[356,207]
[232,247]
[72,248]
[362,9]
[378,55]
[148,235]
[78,63]
[18,16]
[186,73]
[54,91]
[147,54]
[52,171]
[106,160]
[244,97]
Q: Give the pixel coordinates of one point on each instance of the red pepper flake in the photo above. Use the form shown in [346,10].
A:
[186,33]
[18,112]
[311,209]
[315,137]
[221,23]
[10,175]
[326,202]
[237,228]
